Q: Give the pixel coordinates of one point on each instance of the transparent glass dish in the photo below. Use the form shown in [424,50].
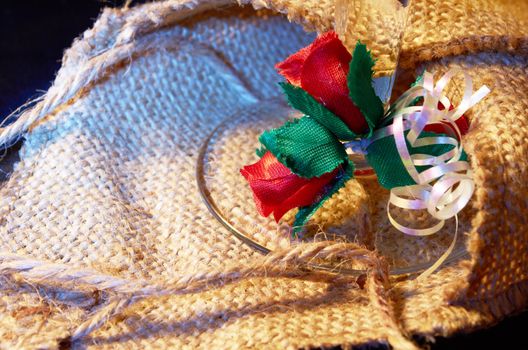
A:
[228,197]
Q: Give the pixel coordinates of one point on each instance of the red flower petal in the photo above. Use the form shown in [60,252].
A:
[306,195]
[291,67]
[462,123]
[277,190]
[321,69]
[324,76]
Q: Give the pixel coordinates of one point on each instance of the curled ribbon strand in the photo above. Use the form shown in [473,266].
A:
[446,187]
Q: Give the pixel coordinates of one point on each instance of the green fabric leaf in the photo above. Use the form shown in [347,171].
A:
[261,151]
[383,157]
[305,213]
[306,147]
[360,86]
[304,102]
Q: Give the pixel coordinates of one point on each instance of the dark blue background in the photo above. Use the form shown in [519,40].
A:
[33,37]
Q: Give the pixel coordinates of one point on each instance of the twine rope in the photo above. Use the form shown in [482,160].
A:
[291,262]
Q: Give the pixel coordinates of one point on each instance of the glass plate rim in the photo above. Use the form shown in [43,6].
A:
[217,214]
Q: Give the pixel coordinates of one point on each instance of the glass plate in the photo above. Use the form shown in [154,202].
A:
[361,204]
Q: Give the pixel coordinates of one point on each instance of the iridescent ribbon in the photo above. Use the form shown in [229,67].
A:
[446,187]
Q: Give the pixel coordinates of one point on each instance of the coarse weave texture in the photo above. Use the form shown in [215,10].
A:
[105,242]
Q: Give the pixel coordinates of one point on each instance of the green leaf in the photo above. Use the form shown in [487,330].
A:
[304,102]
[306,147]
[305,213]
[261,151]
[383,157]
[360,86]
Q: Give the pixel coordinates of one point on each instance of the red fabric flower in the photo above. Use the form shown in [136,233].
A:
[462,123]
[321,69]
[277,190]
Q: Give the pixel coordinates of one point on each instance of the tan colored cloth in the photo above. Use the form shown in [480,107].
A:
[103,206]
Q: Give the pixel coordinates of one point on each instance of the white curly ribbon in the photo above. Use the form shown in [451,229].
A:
[446,187]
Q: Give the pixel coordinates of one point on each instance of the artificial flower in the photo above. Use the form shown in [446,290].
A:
[321,69]
[277,190]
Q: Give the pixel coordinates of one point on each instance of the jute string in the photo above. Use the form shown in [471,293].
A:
[291,262]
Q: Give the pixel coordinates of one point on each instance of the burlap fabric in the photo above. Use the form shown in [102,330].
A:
[105,242]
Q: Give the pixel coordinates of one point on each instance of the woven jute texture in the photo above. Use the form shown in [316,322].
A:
[105,242]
